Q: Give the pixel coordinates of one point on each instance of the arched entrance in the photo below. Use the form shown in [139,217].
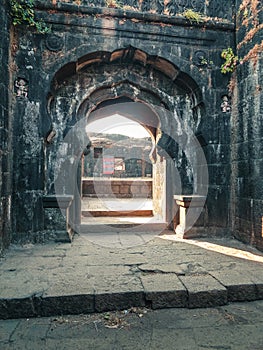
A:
[123,180]
[160,96]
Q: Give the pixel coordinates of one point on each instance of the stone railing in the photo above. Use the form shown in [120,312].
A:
[210,8]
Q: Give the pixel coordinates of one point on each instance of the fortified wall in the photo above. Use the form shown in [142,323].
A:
[150,52]
[246,205]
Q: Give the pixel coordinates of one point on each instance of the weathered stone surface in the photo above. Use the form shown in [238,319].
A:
[5,130]
[173,267]
[239,285]
[59,68]
[118,301]
[64,304]
[204,291]
[6,329]
[236,326]
[164,290]
[16,308]
[246,141]
[83,277]
[93,56]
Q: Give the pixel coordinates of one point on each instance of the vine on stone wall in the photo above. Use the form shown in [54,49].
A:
[248,16]
[231,61]
[23,12]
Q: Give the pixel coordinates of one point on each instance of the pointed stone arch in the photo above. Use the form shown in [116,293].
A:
[78,88]
[130,55]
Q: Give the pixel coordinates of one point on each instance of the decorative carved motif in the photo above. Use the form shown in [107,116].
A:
[200,59]
[225,105]
[54,42]
[21,87]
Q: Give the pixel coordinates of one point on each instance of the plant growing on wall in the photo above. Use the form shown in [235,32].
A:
[231,61]
[249,18]
[22,12]
[193,16]
[113,4]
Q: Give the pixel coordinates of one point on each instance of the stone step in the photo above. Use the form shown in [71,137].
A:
[115,213]
[110,226]
[157,290]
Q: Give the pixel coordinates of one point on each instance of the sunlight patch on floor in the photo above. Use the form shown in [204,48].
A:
[220,248]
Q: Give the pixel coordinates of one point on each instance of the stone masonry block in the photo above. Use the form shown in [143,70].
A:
[16,308]
[115,189]
[204,291]
[239,285]
[124,189]
[118,301]
[64,305]
[164,290]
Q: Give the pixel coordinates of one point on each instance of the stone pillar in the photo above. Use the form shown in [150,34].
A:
[159,188]
[182,221]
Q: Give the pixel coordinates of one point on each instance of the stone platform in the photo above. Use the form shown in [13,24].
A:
[163,272]
[116,207]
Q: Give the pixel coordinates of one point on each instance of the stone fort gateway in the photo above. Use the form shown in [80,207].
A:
[189,72]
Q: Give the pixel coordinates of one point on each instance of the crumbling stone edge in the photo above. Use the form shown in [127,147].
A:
[46,306]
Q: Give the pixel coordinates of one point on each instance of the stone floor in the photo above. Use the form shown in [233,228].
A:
[237,326]
[101,272]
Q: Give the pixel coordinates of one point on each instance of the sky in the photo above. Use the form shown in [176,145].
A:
[117,124]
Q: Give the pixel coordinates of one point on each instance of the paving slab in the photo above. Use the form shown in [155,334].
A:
[164,272]
[240,286]
[204,291]
[164,290]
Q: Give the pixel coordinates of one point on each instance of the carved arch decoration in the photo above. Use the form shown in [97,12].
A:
[129,55]
[128,72]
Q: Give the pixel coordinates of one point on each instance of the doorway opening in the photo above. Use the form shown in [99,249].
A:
[119,172]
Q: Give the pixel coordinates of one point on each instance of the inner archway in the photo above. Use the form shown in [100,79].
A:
[119,170]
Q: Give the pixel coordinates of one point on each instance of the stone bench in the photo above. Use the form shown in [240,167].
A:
[181,221]
[57,216]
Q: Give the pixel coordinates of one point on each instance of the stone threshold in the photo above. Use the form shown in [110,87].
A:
[114,213]
[159,290]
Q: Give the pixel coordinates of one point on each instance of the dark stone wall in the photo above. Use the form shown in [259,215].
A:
[247,130]
[90,56]
[28,137]
[211,8]
[79,64]
[5,130]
